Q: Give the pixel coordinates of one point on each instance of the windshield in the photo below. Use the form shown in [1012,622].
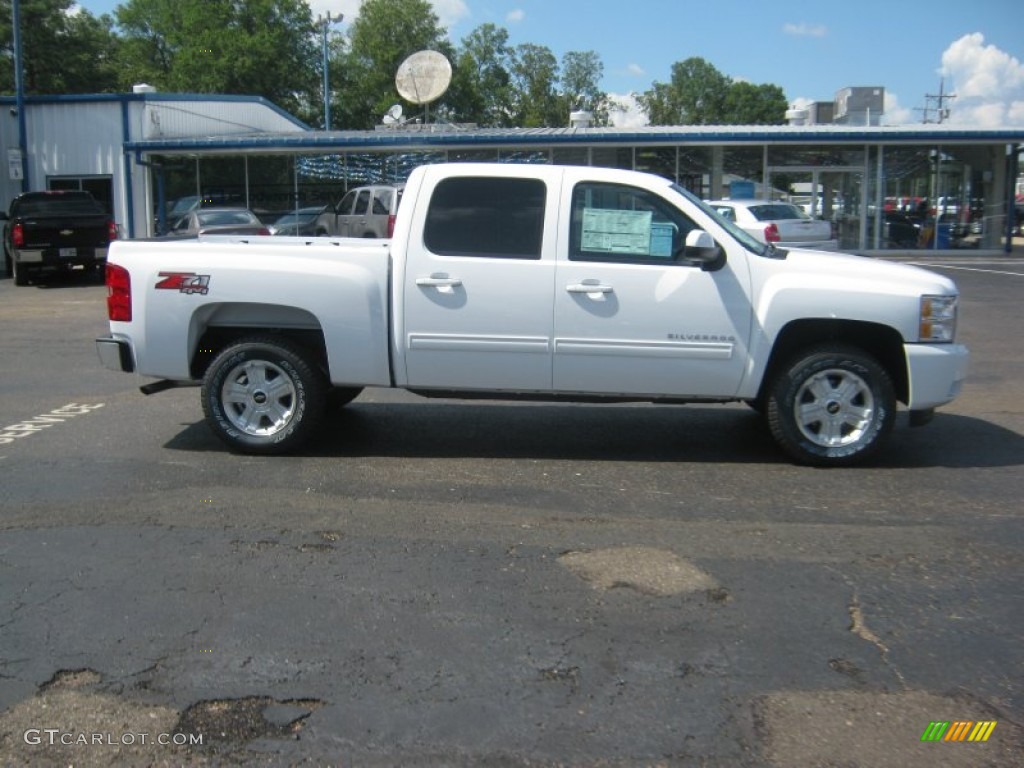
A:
[748,241]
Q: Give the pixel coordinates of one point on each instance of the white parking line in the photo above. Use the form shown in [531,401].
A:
[37,424]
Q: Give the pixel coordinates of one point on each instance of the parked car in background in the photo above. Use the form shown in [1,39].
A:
[301,223]
[898,230]
[219,221]
[55,230]
[364,212]
[781,224]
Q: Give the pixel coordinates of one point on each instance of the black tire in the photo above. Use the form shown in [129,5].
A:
[19,273]
[264,395]
[831,406]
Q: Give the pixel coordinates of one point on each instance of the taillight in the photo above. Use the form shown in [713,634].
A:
[119,294]
[771,233]
[18,235]
[111,230]
[391,225]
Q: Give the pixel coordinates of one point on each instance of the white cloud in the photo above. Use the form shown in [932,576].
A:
[625,111]
[803,29]
[988,82]
[516,16]
[896,113]
[635,70]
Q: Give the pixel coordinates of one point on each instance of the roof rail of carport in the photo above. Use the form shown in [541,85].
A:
[442,136]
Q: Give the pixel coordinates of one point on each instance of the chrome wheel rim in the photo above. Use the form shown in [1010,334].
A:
[259,398]
[834,408]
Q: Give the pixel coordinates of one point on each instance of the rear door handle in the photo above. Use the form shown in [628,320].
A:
[438,281]
[586,287]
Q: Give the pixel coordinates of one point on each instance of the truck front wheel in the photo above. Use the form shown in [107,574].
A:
[831,406]
[264,395]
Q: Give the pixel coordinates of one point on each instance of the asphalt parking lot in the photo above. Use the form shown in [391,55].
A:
[441,583]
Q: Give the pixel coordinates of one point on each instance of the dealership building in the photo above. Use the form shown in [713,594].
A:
[143,153]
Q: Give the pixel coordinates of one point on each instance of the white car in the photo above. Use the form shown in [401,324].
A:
[783,225]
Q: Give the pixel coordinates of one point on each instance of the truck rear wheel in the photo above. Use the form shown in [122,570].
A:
[19,273]
[264,395]
[831,406]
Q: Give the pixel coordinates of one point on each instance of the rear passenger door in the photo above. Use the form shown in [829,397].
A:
[342,214]
[478,289]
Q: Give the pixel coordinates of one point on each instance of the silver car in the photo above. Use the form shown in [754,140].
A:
[364,212]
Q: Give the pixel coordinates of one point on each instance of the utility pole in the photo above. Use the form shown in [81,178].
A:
[19,164]
[937,102]
[324,22]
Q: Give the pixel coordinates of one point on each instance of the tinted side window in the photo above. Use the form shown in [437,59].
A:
[382,202]
[345,206]
[362,202]
[611,222]
[472,216]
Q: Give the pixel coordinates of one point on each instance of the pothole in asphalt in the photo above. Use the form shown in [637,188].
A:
[238,721]
[808,729]
[646,570]
[73,721]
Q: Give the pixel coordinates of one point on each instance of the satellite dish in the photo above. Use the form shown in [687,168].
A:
[394,115]
[423,77]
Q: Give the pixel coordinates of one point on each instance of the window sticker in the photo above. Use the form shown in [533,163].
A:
[615,231]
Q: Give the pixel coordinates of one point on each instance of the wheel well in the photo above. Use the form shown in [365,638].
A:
[217,338]
[880,341]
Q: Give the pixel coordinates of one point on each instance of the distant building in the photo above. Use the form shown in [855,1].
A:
[860,105]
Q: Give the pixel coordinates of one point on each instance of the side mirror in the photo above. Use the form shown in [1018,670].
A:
[702,248]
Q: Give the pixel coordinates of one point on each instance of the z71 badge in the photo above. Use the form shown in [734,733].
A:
[184,282]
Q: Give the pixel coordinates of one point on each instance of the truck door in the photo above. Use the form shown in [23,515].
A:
[478,288]
[355,225]
[342,214]
[633,317]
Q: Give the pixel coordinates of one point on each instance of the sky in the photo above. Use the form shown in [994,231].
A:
[810,49]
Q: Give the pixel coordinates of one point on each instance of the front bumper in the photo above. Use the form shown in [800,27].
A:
[936,374]
[115,354]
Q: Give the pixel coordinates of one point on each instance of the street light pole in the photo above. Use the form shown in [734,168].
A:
[325,22]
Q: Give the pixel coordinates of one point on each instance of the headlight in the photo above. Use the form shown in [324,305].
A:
[938,318]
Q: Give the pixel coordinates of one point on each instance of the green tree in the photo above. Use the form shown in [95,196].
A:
[698,94]
[258,47]
[483,77]
[535,99]
[749,104]
[382,36]
[63,51]
[581,75]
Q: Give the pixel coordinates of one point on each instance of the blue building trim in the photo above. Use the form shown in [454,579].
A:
[127,162]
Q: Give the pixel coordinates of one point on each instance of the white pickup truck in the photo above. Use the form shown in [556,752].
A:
[540,282]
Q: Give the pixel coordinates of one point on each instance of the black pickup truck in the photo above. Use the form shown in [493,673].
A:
[55,230]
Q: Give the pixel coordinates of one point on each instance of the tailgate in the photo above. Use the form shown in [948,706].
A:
[803,230]
[71,232]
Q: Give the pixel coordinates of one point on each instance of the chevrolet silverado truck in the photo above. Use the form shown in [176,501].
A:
[538,282]
[55,230]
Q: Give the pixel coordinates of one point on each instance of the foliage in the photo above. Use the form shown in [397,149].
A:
[384,34]
[698,94]
[263,47]
[62,52]
[272,48]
